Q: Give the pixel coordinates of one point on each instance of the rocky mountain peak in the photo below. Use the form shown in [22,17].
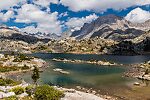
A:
[98,27]
[138,15]
[112,27]
[108,19]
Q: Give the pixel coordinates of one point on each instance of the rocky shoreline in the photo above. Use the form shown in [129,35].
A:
[70,94]
[88,62]
[22,71]
[140,71]
[134,70]
[11,64]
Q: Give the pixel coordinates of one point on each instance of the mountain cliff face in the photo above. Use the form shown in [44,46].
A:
[138,45]
[111,27]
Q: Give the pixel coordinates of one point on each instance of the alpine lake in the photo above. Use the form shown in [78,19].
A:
[105,80]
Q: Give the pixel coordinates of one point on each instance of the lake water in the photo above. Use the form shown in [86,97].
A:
[105,79]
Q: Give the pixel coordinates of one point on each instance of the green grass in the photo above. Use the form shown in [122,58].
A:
[21,57]
[18,90]
[4,69]
[8,69]
[25,67]
[11,98]
[29,89]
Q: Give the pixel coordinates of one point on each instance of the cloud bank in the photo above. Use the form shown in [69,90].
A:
[46,22]
[38,17]
[101,5]
[4,17]
[78,22]
[6,4]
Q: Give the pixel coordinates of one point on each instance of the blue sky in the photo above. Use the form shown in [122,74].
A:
[56,16]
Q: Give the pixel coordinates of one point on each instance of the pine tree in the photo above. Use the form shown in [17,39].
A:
[35,75]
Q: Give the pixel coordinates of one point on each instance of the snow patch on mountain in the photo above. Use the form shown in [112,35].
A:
[138,15]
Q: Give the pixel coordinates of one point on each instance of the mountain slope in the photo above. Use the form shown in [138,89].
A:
[12,39]
[138,45]
[111,27]
[16,35]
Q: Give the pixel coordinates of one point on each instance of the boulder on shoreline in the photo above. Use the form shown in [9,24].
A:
[144,77]
[137,83]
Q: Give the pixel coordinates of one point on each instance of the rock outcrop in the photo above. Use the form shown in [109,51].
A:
[138,45]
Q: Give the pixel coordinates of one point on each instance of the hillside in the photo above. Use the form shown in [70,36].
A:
[106,35]
[111,27]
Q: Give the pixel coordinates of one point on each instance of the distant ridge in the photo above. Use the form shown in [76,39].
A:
[111,27]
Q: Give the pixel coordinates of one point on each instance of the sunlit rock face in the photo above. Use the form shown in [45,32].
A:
[111,27]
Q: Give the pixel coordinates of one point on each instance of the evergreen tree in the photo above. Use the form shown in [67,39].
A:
[35,75]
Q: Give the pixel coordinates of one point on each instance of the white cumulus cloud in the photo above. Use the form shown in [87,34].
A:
[101,5]
[31,29]
[79,22]
[46,22]
[65,14]
[4,17]
[138,15]
[6,4]
[45,3]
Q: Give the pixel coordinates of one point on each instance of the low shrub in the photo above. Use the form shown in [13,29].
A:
[11,98]
[42,47]
[16,60]
[23,57]
[50,51]
[10,82]
[25,67]
[18,90]
[26,98]
[47,92]
[8,69]
[146,71]
[29,89]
